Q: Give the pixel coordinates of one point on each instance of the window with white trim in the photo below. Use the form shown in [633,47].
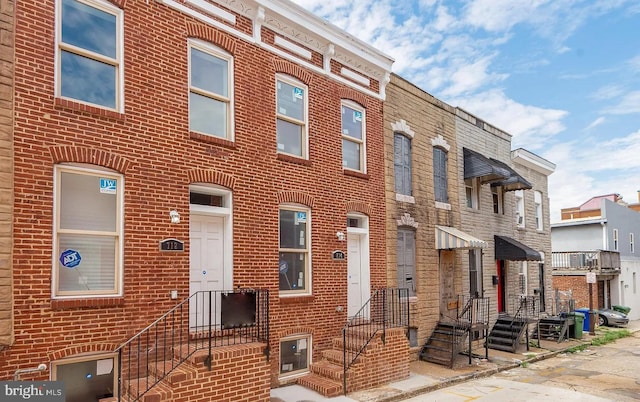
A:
[295,354]
[497,197]
[615,239]
[402,163]
[519,194]
[632,248]
[475,273]
[440,180]
[210,90]
[471,192]
[294,265]
[87,378]
[291,117]
[89,53]
[537,195]
[407,260]
[523,279]
[88,232]
[353,136]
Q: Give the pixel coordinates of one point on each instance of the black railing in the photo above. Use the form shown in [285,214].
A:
[526,310]
[473,316]
[205,320]
[387,308]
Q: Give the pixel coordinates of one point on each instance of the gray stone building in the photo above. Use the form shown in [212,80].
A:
[504,201]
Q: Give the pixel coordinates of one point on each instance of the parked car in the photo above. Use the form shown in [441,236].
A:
[611,317]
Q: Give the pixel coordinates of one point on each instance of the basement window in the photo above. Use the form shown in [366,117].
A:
[295,355]
[87,378]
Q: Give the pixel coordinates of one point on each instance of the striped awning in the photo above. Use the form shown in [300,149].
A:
[448,237]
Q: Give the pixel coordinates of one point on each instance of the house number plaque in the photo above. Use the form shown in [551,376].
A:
[171,245]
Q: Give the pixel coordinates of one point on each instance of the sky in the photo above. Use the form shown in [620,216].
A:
[561,76]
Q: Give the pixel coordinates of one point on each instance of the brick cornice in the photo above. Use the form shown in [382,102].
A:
[91,156]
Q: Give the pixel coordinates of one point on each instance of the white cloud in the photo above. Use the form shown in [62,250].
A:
[595,123]
[628,104]
[529,125]
[607,92]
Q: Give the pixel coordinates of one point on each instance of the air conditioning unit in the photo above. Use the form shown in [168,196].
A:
[520,219]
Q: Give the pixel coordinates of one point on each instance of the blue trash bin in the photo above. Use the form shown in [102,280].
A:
[587,318]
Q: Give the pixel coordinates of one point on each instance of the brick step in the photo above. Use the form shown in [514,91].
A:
[329,370]
[175,371]
[158,393]
[337,356]
[321,385]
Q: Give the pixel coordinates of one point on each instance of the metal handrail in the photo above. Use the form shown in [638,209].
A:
[387,308]
[204,320]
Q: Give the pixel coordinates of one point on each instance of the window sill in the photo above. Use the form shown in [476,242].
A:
[68,104]
[293,159]
[286,299]
[354,173]
[98,302]
[210,139]
[405,198]
[443,205]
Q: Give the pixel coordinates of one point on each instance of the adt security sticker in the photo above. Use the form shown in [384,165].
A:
[301,217]
[70,258]
[297,92]
[108,186]
[357,116]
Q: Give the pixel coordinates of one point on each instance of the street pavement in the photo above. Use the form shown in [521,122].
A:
[427,381]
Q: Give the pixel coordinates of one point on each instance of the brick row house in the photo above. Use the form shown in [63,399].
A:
[186,155]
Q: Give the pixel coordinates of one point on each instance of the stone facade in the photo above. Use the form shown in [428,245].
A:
[7,9]
[482,222]
[423,119]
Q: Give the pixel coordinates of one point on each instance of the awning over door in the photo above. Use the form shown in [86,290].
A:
[514,181]
[478,165]
[448,238]
[512,250]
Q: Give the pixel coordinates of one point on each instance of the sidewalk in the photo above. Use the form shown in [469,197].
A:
[426,377]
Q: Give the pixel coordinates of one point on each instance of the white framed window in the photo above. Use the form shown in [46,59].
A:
[295,354]
[89,377]
[291,117]
[89,52]
[523,278]
[294,265]
[615,239]
[87,258]
[353,136]
[497,198]
[440,179]
[407,260]
[537,196]
[475,273]
[471,192]
[632,247]
[210,90]
[402,163]
[519,194]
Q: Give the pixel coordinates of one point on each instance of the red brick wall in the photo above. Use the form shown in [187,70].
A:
[579,287]
[150,143]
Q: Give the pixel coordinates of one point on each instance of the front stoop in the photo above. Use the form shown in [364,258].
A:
[321,385]
[161,392]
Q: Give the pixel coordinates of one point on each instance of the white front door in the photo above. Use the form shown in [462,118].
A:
[357,274]
[206,256]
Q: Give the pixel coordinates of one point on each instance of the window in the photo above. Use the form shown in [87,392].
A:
[295,354]
[89,52]
[291,117]
[497,197]
[519,194]
[210,90]
[522,276]
[353,136]
[440,174]
[538,201]
[471,192]
[406,260]
[631,245]
[615,239]
[87,378]
[402,163]
[294,266]
[88,232]
[475,273]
